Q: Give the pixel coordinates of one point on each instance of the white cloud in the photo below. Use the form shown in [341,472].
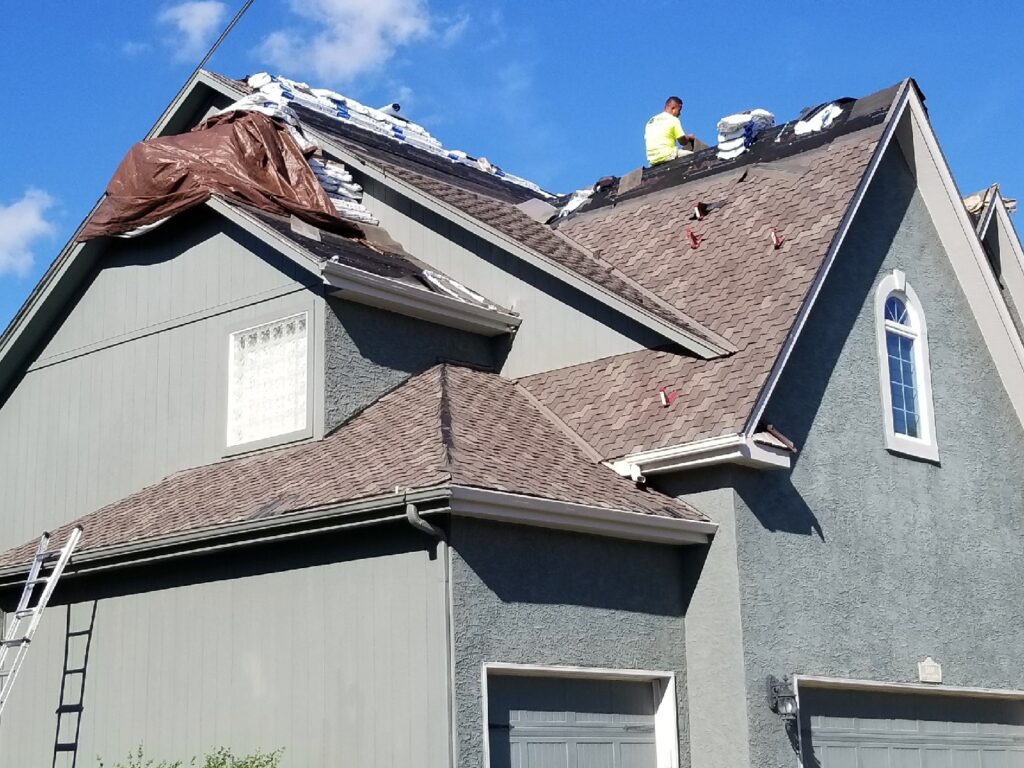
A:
[196,21]
[454,31]
[345,38]
[134,48]
[21,224]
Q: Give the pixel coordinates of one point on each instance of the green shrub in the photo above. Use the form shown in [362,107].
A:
[219,758]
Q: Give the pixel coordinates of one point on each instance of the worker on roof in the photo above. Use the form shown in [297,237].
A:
[664,130]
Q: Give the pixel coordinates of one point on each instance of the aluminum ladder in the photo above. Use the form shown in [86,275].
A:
[19,637]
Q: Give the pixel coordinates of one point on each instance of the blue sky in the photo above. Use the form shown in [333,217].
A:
[554,90]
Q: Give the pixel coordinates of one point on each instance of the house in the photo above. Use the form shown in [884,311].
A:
[717,464]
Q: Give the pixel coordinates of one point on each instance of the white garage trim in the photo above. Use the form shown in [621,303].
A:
[666,718]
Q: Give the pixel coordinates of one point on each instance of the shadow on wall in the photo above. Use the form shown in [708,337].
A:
[771,496]
[530,565]
[405,344]
[323,548]
[80,620]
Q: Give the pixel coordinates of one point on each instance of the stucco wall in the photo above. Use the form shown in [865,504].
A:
[860,563]
[371,351]
[531,596]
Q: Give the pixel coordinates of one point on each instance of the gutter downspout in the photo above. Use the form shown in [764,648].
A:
[412,514]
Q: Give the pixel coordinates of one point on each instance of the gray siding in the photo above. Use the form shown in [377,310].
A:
[131,385]
[859,563]
[371,351]
[340,657]
[561,326]
[530,596]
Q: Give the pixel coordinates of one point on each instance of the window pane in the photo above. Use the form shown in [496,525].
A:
[902,385]
[897,396]
[899,421]
[896,310]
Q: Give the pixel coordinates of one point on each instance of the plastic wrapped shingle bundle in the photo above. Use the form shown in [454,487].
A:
[737,132]
[281,90]
[345,194]
[818,119]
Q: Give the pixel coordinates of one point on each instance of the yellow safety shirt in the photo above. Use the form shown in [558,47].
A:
[660,136]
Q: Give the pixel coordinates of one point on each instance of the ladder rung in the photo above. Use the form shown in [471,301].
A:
[15,641]
[25,613]
[79,633]
[75,671]
[65,747]
[66,709]
[40,580]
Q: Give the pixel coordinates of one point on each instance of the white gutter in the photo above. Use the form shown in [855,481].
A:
[734,449]
[366,288]
[580,518]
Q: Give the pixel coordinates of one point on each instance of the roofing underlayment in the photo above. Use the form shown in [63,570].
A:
[450,425]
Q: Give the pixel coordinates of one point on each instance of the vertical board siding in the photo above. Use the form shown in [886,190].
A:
[131,385]
[340,664]
[560,326]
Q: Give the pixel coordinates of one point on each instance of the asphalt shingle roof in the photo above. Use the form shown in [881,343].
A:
[448,425]
[735,282]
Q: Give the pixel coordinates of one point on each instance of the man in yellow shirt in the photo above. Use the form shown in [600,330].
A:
[663,131]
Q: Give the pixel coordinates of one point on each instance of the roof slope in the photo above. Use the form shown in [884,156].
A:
[448,425]
[493,202]
[735,282]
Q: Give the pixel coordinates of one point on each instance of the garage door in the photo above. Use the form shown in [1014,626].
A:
[570,723]
[869,730]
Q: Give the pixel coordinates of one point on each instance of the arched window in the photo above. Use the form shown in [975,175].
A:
[904,372]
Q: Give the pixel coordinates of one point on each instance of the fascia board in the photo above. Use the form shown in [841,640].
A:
[579,518]
[966,253]
[987,215]
[375,291]
[727,449]
[530,256]
[1012,269]
[490,234]
[74,257]
[200,77]
[287,248]
[892,119]
[369,511]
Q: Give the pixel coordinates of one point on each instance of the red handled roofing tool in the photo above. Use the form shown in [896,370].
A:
[777,239]
[694,239]
[667,397]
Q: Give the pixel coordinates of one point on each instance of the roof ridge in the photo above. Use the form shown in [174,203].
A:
[557,422]
[446,424]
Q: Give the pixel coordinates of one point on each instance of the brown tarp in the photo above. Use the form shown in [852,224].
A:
[243,156]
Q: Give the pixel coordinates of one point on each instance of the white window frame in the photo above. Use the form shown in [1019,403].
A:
[666,717]
[285,437]
[924,446]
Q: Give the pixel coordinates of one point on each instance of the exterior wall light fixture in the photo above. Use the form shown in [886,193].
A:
[781,698]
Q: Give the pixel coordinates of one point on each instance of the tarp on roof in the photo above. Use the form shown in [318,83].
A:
[242,156]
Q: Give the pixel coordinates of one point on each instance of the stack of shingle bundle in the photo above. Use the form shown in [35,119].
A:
[344,192]
[281,90]
[737,132]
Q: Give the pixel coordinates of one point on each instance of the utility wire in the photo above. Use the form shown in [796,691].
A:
[206,58]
